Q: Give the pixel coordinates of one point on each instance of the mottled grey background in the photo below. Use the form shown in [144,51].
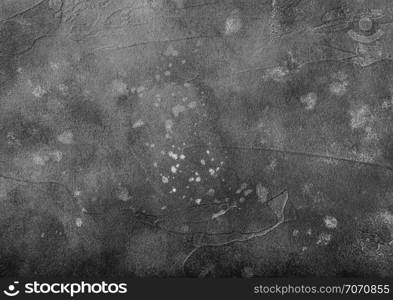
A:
[196,138]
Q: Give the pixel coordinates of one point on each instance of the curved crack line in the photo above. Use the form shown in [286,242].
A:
[239,240]
[298,153]
[23,11]
[32,182]
[265,68]
[327,45]
[30,47]
[144,43]
[207,233]
[249,237]
[159,218]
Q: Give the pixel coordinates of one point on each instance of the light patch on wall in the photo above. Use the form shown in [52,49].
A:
[233,23]
[309,100]
[360,117]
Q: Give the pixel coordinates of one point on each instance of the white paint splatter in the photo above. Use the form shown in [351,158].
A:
[330,222]
[338,88]
[119,88]
[324,239]
[40,160]
[277,74]
[78,222]
[309,100]
[138,124]
[39,91]
[360,117]
[262,193]
[178,109]
[170,51]
[66,138]
[56,155]
[233,23]
[173,155]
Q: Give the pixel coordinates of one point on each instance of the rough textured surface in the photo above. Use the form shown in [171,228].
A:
[196,138]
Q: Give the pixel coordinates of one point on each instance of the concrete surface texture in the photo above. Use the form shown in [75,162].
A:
[198,138]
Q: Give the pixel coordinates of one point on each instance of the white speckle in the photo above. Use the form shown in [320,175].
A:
[191,179]
[295,232]
[54,66]
[57,155]
[39,160]
[212,172]
[124,195]
[277,74]
[192,105]
[198,201]
[77,193]
[66,138]
[262,193]
[140,89]
[272,165]
[182,156]
[247,192]
[138,124]
[178,109]
[211,192]
[173,155]
[324,239]
[233,23]
[386,217]
[119,88]
[169,126]
[338,88]
[78,222]
[203,162]
[243,186]
[63,88]
[165,179]
[360,117]
[39,91]
[170,51]
[330,222]
[219,214]
[174,190]
[198,179]
[174,169]
[310,100]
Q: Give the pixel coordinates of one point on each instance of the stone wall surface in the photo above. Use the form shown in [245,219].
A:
[198,138]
